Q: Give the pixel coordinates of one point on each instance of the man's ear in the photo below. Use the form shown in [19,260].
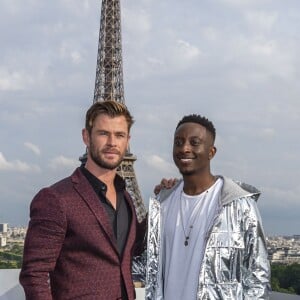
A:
[212,152]
[85,137]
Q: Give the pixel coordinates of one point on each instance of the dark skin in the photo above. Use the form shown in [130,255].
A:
[195,143]
[193,150]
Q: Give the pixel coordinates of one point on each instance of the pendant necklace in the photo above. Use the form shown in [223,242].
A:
[191,226]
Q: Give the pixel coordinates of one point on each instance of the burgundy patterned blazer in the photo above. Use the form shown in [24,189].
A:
[71,242]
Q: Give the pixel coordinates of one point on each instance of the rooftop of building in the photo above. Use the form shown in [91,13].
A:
[10,288]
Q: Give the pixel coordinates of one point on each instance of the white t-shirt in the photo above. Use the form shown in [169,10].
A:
[181,264]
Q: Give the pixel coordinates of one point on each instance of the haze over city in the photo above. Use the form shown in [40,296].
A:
[234,61]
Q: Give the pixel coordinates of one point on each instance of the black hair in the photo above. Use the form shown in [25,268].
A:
[199,120]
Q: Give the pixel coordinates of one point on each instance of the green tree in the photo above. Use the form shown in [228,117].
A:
[286,278]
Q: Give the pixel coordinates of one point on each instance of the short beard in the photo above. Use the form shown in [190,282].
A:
[100,162]
[103,164]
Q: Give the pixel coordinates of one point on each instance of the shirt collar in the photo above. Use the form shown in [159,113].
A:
[100,186]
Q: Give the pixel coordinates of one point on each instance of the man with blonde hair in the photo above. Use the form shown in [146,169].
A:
[84,229]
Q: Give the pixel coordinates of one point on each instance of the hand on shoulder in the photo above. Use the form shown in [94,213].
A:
[165,184]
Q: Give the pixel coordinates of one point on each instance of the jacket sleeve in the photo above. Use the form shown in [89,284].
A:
[256,267]
[42,246]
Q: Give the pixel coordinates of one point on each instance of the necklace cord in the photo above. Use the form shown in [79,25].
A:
[191,226]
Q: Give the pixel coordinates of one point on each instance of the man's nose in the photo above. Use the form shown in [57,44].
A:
[111,140]
[186,147]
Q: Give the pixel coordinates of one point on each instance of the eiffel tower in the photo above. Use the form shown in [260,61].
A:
[109,86]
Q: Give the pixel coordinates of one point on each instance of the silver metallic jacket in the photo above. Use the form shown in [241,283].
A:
[235,263]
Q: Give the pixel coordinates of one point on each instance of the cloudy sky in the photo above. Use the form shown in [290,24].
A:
[235,61]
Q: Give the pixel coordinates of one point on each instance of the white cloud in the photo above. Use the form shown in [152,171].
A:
[155,62]
[181,56]
[34,148]
[158,163]
[262,20]
[267,133]
[17,166]
[78,7]
[10,7]
[184,54]
[86,4]
[136,21]
[14,80]
[62,162]
[210,33]
[259,59]
[66,51]
[76,57]
[263,47]
[243,3]
[187,51]
[282,197]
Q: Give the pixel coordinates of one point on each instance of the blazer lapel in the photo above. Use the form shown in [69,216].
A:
[87,193]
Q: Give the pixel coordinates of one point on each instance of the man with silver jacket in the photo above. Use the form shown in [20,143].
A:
[205,236]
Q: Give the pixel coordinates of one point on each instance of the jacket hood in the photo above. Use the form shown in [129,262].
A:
[231,190]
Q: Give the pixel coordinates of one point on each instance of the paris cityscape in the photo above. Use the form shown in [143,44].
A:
[281,249]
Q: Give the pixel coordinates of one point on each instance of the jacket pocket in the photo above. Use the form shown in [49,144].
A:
[224,257]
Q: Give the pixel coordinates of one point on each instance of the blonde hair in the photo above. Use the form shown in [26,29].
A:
[111,108]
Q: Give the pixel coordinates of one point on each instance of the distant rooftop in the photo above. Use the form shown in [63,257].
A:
[10,288]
